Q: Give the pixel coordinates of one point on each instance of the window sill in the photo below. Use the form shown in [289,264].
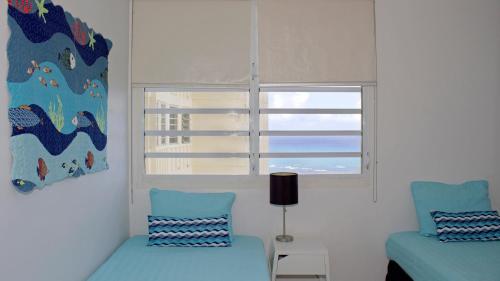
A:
[236,182]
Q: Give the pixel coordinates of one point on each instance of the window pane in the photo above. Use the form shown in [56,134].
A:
[186,122]
[311,100]
[173,126]
[311,165]
[197,99]
[203,122]
[186,126]
[197,166]
[311,144]
[200,145]
[320,122]
[173,122]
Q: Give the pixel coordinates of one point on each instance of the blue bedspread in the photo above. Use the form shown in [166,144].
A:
[134,261]
[427,259]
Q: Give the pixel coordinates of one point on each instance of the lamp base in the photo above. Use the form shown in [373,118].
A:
[284,238]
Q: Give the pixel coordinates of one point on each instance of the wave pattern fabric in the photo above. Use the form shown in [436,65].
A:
[467,226]
[189,232]
[58,86]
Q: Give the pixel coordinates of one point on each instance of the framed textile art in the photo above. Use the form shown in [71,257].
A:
[58,86]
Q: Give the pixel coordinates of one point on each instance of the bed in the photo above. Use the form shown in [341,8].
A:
[134,261]
[426,259]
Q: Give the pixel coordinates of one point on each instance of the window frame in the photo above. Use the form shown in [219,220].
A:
[142,180]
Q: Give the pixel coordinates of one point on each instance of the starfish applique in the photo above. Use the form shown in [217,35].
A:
[41,9]
[91,40]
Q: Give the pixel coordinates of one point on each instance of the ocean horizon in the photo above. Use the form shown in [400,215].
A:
[350,165]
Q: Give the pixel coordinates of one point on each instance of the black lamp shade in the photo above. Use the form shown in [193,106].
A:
[284,189]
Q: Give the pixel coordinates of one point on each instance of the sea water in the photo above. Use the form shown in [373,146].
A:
[350,165]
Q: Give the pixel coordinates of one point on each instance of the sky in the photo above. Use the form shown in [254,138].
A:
[313,121]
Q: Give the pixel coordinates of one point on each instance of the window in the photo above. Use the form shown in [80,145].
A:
[173,126]
[310,130]
[162,125]
[214,128]
[186,126]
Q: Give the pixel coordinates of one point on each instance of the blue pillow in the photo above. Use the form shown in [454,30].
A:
[179,204]
[467,226]
[435,196]
[189,232]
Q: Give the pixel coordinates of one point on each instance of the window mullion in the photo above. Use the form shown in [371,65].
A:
[254,95]
[254,127]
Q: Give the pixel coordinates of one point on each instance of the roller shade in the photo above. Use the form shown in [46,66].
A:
[316,41]
[191,41]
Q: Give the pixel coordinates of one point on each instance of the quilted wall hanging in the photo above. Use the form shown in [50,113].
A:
[58,86]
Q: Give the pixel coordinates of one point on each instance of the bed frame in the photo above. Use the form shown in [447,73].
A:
[396,273]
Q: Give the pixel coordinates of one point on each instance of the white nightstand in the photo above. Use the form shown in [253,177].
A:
[305,257]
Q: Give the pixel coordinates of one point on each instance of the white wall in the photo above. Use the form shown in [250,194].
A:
[439,93]
[65,231]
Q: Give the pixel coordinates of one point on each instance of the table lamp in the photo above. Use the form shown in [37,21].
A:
[284,191]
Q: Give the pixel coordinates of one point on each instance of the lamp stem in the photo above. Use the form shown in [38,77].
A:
[284,237]
[284,220]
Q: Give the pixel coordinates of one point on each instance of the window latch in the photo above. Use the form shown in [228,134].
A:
[367,161]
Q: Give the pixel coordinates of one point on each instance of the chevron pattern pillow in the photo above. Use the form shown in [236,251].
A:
[189,232]
[467,226]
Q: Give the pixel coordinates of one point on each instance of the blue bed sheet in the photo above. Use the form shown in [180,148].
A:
[134,261]
[427,259]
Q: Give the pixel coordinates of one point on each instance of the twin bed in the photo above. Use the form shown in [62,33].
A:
[427,259]
[185,243]
[458,238]
[245,260]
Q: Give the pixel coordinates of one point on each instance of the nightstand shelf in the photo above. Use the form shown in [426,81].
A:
[302,257]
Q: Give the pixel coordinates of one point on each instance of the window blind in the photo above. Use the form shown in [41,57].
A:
[191,41]
[316,41]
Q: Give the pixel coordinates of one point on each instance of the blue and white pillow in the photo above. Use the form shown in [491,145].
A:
[467,226]
[189,232]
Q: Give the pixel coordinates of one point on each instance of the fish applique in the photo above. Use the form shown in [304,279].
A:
[67,59]
[94,85]
[95,95]
[47,70]
[78,172]
[73,168]
[30,71]
[42,169]
[23,185]
[42,81]
[86,85]
[81,121]
[35,65]
[22,117]
[89,160]
[54,83]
